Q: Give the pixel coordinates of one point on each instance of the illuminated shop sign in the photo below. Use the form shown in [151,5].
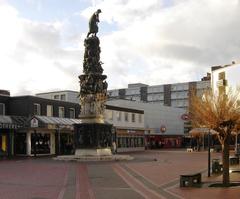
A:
[131,131]
[34,123]
[8,126]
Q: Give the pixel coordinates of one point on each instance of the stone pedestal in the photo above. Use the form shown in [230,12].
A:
[93,139]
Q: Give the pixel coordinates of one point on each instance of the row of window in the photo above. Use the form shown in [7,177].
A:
[61,111]
[124,116]
[179,95]
[179,103]
[61,97]
[123,142]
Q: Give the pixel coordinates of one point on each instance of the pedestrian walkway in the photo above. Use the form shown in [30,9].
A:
[151,175]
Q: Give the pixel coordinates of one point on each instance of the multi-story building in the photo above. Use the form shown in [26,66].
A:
[175,95]
[162,124]
[65,95]
[225,77]
[33,125]
[129,126]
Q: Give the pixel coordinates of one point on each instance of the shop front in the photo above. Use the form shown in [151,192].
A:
[46,136]
[130,140]
[164,141]
[8,128]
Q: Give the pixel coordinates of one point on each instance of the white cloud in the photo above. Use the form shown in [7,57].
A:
[179,42]
[32,57]
[153,42]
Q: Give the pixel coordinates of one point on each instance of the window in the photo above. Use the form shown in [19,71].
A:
[61,112]
[37,109]
[63,97]
[56,97]
[133,117]
[221,75]
[2,109]
[140,118]
[126,116]
[72,113]
[110,115]
[119,115]
[49,110]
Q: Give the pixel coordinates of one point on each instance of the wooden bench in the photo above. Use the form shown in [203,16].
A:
[217,166]
[233,160]
[190,180]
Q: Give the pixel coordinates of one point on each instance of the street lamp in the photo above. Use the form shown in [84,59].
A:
[209,153]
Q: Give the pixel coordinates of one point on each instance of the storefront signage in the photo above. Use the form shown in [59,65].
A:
[34,123]
[185,116]
[131,131]
[8,126]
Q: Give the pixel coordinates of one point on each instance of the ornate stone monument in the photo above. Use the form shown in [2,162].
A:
[93,136]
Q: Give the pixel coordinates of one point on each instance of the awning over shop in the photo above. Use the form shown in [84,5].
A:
[201,131]
[53,122]
[12,122]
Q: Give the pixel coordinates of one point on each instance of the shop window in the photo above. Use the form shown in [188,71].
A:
[126,116]
[40,143]
[72,113]
[124,141]
[133,117]
[132,142]
[119,143]
[2,109]
[221,75]
[61,112]
[127,142]
[37,109]
[21,143]
[3,144]
[49,110]
[139,142]
[140,118]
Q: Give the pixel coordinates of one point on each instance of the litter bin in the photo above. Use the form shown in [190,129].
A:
[216,166]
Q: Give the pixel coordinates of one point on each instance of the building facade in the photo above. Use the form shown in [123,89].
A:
[225,77]
[175,95]
[129,127]
[164,126]
[32,125]
[65,95]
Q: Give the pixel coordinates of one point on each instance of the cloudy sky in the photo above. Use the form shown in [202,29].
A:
[153,41]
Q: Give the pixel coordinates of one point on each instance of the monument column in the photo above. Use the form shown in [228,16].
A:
[93,135]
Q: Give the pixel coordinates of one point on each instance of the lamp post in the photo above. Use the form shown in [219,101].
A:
[209,154]
[34,143]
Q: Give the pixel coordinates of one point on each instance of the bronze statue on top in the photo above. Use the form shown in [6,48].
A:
[93,23]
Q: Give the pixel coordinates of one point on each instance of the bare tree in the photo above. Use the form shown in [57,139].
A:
[220,113]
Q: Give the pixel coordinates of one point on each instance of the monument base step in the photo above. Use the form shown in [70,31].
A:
[86,158]
[93,152]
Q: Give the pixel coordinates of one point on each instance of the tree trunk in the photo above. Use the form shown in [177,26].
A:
[225,158]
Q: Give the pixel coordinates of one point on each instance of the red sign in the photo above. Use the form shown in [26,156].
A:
[185,116]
